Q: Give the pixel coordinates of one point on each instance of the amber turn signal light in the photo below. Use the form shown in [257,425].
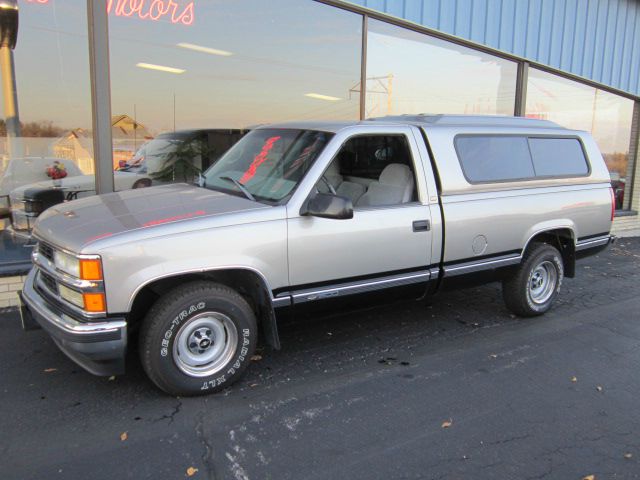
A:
[90,269]
[94,302]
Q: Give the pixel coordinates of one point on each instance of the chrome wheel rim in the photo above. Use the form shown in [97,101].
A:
[205,344]
[542,282]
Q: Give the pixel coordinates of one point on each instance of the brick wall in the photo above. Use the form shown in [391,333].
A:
[8,288]
[626,225]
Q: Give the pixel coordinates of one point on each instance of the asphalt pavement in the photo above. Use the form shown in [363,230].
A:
[454,389]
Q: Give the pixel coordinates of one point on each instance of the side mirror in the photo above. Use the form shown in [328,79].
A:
[325,205]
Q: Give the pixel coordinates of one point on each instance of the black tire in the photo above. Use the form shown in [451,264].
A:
[520,291]
[174,319]
[142,183]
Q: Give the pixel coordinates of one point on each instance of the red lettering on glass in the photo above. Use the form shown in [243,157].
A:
[148,10]
[186,18]
[259,159]
[157,10]
[151,10]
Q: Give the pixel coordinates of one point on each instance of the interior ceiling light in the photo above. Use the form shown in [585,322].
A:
[202,49]
[160,68]
[322,97]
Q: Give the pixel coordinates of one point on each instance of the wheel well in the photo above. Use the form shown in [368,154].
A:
[246,282]
[563,240]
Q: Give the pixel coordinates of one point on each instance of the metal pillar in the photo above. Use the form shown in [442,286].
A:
[10,96]
[9,17]
[521,89]
[98,23]
[363,68]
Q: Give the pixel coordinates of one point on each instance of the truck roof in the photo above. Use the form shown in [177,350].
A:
[426,120]
[469,120]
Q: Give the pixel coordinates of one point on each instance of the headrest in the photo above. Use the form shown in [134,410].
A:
[396,174]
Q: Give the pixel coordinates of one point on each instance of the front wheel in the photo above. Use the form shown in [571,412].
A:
[533,288]
[198,339]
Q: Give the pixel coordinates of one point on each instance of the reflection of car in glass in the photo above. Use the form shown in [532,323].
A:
[170,157]
[21,171]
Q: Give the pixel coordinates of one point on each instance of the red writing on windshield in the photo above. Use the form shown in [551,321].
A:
[259,159]
[160,221]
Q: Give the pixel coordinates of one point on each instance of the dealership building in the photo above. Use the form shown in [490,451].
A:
[86,83]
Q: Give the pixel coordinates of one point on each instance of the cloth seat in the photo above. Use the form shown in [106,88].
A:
[394,187]
[350,190]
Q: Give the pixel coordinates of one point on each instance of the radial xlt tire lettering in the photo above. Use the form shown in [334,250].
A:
[533,288]
[198,339]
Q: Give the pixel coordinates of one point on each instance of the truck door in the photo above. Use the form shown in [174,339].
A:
[386,247]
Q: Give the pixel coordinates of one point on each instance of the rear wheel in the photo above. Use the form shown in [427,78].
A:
[533,288]
[198,339]
[142,183]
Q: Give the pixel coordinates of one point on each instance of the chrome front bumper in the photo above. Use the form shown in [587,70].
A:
[97,346]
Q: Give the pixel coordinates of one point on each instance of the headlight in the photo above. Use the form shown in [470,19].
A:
[83,268]
[67,263]
[33,206]
[71,296]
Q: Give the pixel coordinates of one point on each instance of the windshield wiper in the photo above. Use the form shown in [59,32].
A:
[241,187]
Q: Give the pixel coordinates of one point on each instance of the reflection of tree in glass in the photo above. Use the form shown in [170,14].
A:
[34,129]
[180,160]
[616,162]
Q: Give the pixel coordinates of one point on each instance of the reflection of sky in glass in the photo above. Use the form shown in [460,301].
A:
[581,107]
[412,73]
[52,63]
[281,50]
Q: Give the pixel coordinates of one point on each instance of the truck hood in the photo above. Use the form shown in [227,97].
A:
[75,224]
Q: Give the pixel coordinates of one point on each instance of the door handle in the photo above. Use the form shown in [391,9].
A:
[421,226]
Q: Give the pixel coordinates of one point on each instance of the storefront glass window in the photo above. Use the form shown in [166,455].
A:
[582,107]
[188,83]
[408,72]
[45,140]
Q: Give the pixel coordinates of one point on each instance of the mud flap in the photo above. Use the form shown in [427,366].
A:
[27,320]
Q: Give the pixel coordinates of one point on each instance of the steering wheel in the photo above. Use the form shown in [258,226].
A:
[329,186]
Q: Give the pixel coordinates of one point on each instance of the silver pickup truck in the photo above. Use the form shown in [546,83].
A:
[308,216]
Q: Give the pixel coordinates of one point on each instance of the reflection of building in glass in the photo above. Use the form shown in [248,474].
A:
[77,144]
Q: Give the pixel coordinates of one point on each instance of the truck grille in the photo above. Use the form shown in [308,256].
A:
[49,282]
[46,251]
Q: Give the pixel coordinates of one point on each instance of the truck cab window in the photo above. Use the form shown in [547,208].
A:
[372,170]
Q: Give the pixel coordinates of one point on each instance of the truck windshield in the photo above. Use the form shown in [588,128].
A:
[267,163]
